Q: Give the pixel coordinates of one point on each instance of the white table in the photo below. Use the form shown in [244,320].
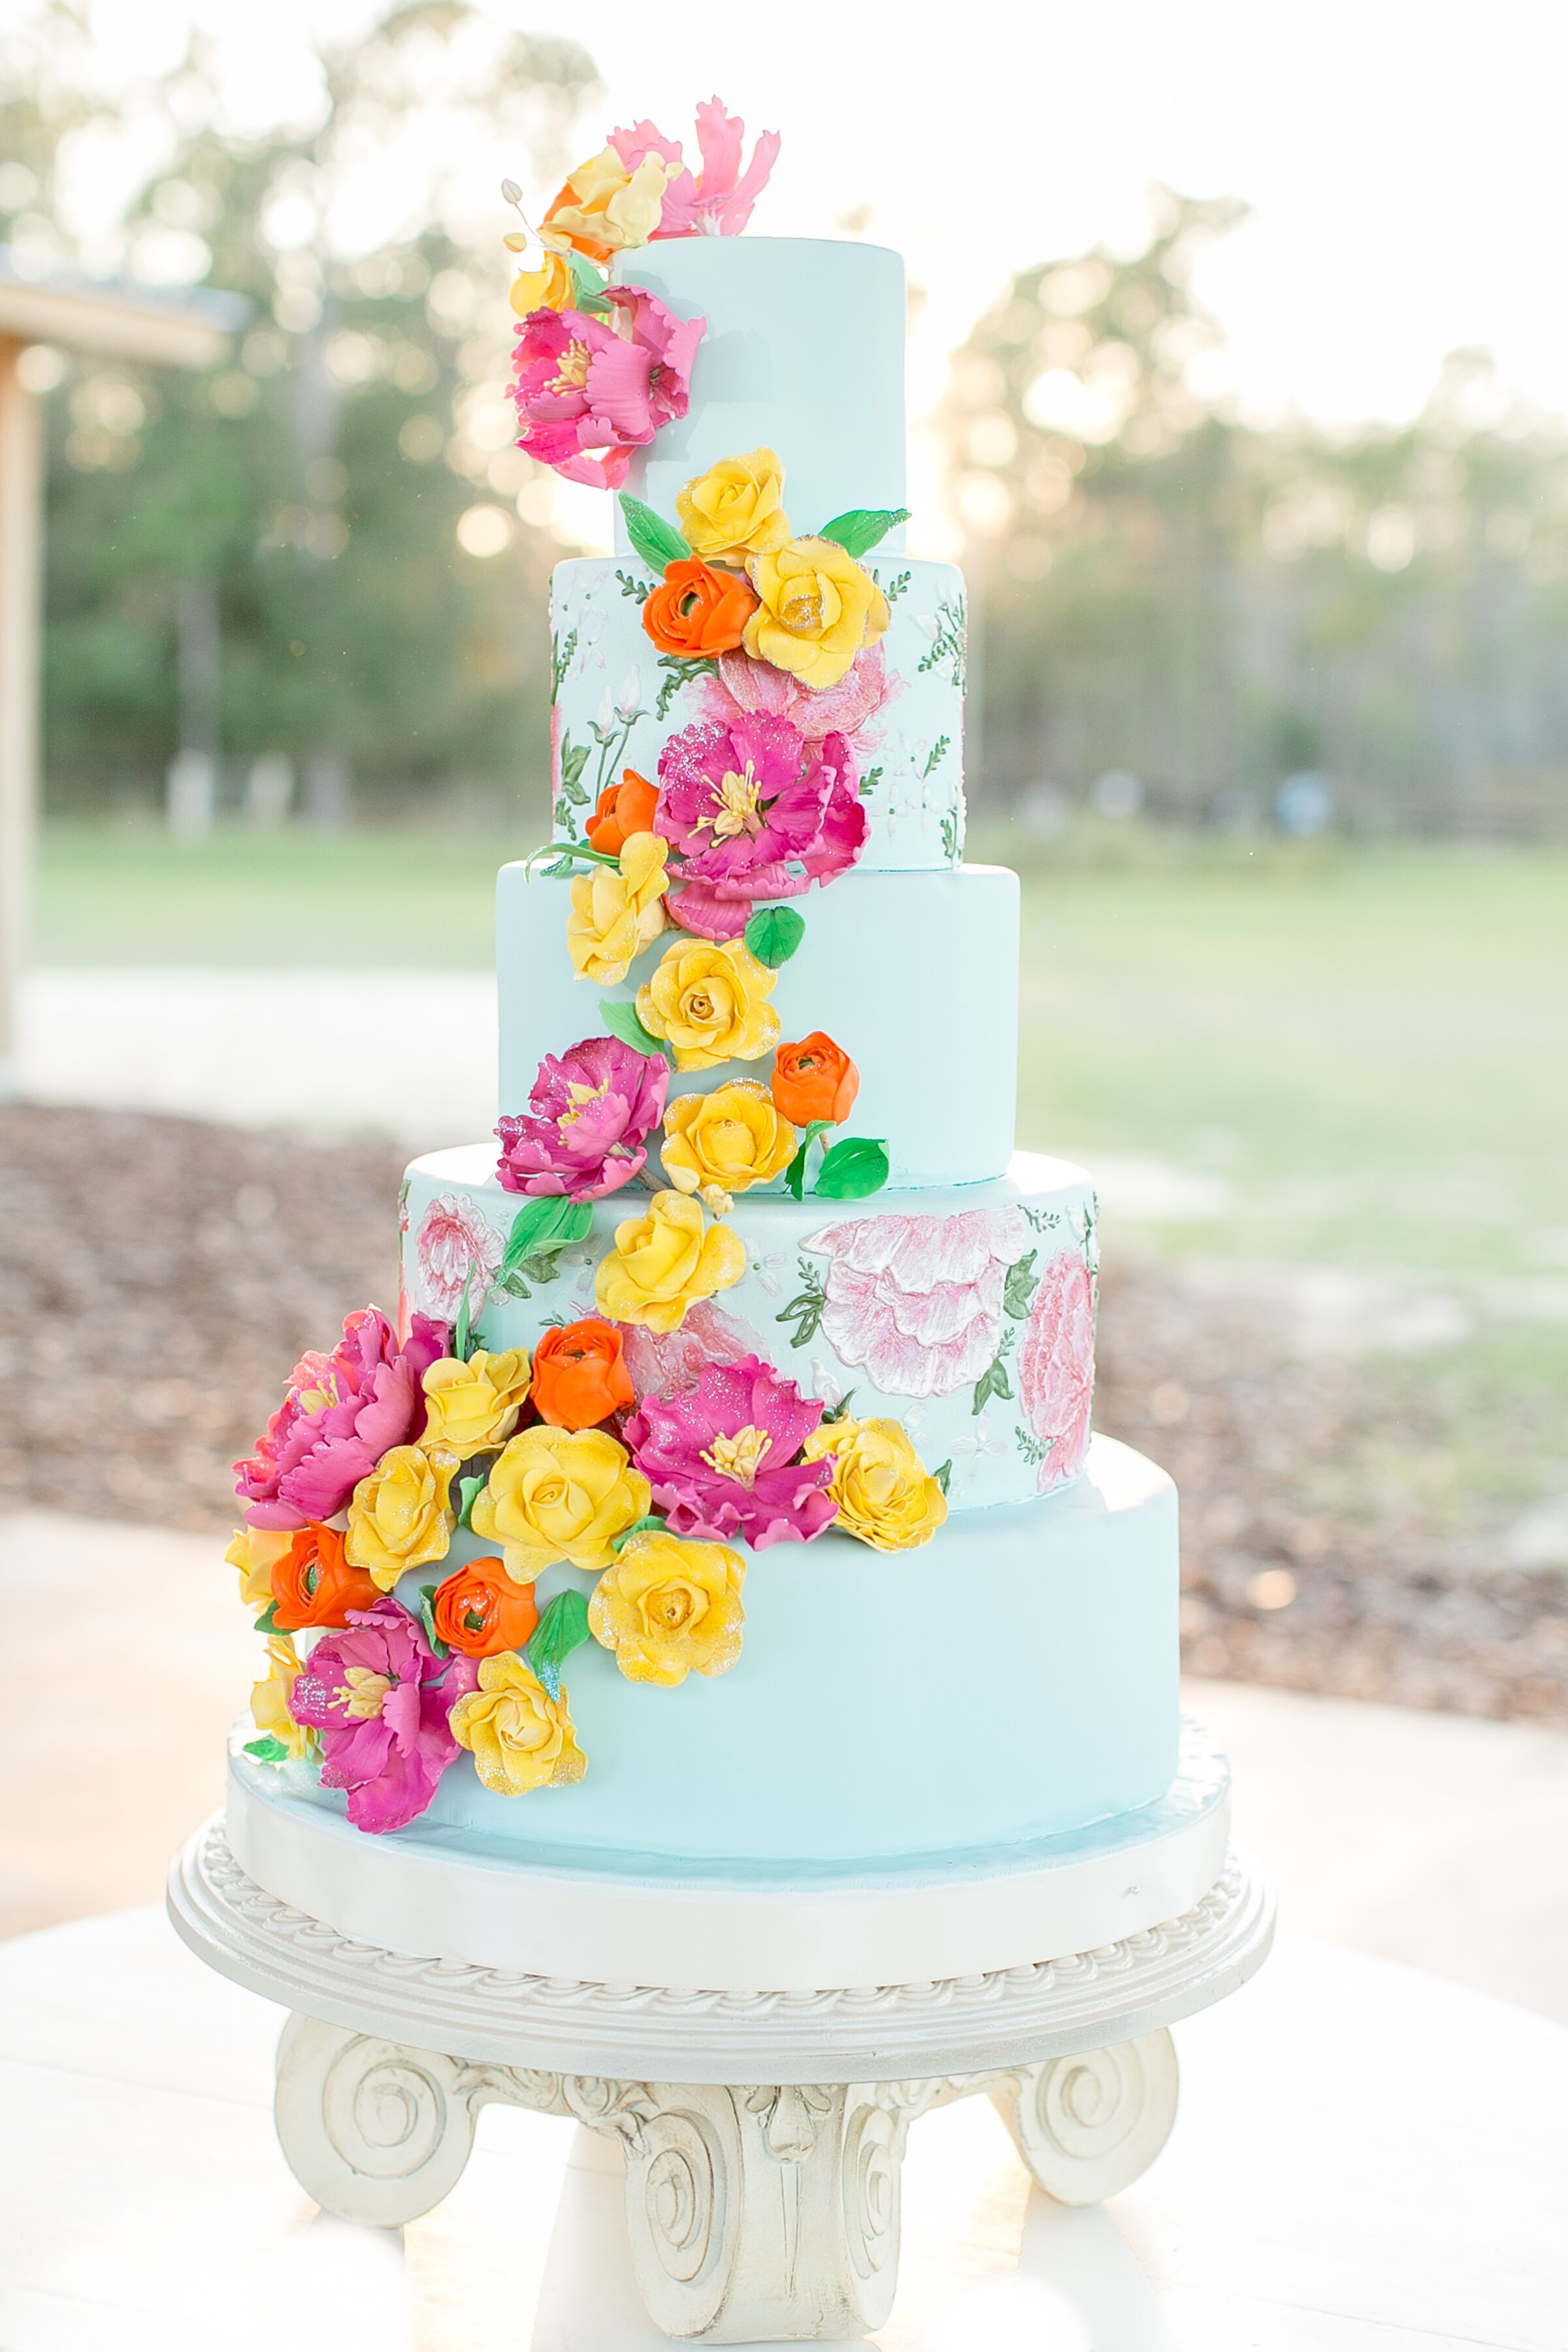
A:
[1366,2160]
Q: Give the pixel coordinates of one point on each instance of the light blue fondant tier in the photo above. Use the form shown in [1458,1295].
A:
[803,355]
[1014,1683]
[618,702]
[914,975]
[966,1315]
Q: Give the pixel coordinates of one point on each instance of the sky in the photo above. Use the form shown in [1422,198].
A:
[1405,161]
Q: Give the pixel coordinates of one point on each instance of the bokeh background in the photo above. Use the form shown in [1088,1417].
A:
[1236,382]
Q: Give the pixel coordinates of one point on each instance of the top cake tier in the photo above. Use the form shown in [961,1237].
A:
[761,374]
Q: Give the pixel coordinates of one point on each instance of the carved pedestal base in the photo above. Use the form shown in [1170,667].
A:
[759,2209]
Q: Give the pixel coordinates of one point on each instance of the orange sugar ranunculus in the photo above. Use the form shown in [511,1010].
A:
[580,1375]
[623,809]
[815,1079]
[314,1583]
[696,610]
[479,1611]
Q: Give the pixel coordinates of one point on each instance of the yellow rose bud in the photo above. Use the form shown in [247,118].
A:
[519,1737]
[726,1141]
[709,999]
[256,1551]
[817,609]
[559,1495]
[549,288]
[269,1699]
[885,1494]
[604,208]
[735,509]
[671,1607]
[615,913]
[474,1406]
[663,1262]
[400,1516]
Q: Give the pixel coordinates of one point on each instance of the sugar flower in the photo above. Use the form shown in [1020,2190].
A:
[551,287]
[723,1143]
[753,813]
[664,1260]
[724,1459]
[380,1699]
[814,1078]
[519,1737]
[269,1700]
[480,1611]
[609,203]
[256,1552]
[886,1497]
[580,1374]
[589,389]
[591,1110]
[719,201]
[341,1414]
[472,1407]
[314,1584]
[735,509]
[669,1607]
[616,911]
[401,1517]
[623,809]
[558,1495]
[697,610]
[817,609]
[709,999]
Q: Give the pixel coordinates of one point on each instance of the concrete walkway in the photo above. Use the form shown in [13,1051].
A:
[1431,1839]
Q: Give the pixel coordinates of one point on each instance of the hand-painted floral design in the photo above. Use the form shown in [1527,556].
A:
[341,1412]
[454,1246]
[752,811]
[589,390]
[591,1110]
[744,686]
[664,1363]
[718,202]
[918,1301]
[1056,1366]
[723,1458]
[380,1698]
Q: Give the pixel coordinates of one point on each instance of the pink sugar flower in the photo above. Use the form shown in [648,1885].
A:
[591,1111]
[666,1363]
[752,811]
[380,1698]
[588,390]
[341,1413]
[718,202]
[722,1457]
[1055,1367]
[744,685]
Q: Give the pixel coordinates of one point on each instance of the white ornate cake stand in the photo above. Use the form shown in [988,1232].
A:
[764,2132]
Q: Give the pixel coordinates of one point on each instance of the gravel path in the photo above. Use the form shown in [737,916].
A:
[158,1276]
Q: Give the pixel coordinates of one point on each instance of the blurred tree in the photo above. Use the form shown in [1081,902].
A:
[349,484]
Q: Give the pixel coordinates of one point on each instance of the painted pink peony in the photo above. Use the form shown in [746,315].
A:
[455,1244]
[341,1412]
[718,202]
[745,686]
[588,390]
[665,1363]
[592,1110]
[380,1698]
[918,1301]
[721,1458]
[1056,1366]
[752,811]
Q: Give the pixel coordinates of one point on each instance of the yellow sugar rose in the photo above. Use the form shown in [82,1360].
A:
[735,509]
[816,608]
[604,208]
[663,1262]
[256,1551]
[709,1000]
[474,1406]
[400,1516]
[269,1700]
[724,1142]
[519,1737]
[552,288]
[885,1494]
[559,1495]
[616,911]
[671,1607]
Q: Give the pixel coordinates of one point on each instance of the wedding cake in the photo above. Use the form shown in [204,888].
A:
[708,1574]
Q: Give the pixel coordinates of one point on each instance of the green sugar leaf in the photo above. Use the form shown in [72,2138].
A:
[774,934]
[427,1605]
[268,1621]
[468,1491]
[267,1750]
[794,1174]
[657,542]
[852,1169]
[621,1021]
[587,286]
[650,1525]
[562,1629]
[858,530]
[552,1223]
